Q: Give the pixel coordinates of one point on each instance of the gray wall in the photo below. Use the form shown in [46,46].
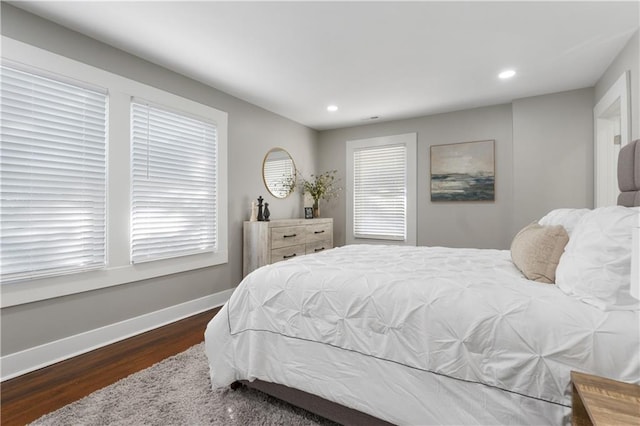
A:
[544,160]
[552,154]
[469,224]
[627,60]
[252,132]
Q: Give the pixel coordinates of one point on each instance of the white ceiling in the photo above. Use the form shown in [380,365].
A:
[387,59]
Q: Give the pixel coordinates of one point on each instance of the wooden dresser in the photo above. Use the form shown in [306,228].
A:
[277,240]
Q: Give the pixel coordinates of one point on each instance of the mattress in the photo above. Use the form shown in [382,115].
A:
[417,335]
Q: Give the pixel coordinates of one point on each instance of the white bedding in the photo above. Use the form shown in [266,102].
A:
[449,325]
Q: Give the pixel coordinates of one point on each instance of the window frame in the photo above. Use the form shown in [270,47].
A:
[119,269]
[409,140]
[210,186]
[64,84]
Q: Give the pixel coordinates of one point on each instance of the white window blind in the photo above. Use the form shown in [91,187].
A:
[53,175]
[380,192]
[174,184]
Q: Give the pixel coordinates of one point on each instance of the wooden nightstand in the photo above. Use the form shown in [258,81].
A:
[599,401]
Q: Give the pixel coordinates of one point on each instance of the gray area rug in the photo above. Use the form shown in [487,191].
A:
[177,391]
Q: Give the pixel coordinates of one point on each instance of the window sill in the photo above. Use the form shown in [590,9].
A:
[47,288]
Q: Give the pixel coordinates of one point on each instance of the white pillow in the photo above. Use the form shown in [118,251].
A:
[596,264]
[567,218]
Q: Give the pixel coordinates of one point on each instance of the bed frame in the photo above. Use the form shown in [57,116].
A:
[314,404]
[629,174]
[629,184]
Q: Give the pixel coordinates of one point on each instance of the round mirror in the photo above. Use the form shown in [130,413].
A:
[279,172]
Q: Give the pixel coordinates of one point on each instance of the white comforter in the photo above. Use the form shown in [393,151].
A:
[465,314]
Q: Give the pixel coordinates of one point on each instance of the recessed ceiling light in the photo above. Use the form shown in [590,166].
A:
[507,74]
[332,108]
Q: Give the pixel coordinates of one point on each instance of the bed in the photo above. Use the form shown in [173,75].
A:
[370,334]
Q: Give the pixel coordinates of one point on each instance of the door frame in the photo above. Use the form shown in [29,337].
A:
[610,117]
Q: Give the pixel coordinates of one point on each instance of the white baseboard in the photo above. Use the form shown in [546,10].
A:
[31,359]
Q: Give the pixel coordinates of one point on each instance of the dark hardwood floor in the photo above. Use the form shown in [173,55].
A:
[26,398]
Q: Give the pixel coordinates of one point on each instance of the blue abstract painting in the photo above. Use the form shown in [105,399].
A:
[463,171]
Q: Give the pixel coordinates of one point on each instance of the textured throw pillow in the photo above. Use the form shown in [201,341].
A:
[536,251]
[567,218]
[596,264]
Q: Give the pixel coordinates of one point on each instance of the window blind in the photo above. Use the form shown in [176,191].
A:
[53,175]
[174,184]
[379,192]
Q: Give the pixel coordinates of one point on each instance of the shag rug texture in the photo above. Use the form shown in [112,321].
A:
[177,391]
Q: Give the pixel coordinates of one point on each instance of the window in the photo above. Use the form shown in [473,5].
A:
[380,192]
[100,253]
[381,189]
[53,174]
[173,184]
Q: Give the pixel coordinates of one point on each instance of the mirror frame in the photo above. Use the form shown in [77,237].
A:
[264,180]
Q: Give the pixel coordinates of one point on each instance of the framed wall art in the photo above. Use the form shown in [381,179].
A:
[463,171]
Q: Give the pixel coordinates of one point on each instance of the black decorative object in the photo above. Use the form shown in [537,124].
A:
[260,215]
[308,212]
[266,213]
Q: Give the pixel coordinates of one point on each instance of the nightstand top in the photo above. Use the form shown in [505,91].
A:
[608,402]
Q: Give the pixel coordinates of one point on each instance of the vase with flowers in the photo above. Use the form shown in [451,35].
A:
[320,187]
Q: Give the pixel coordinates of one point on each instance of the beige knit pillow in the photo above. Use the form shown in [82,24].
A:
[536,251]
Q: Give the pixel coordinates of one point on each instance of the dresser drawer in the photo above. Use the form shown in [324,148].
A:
[285,253]
[287,236]
[318,246]
[319,232]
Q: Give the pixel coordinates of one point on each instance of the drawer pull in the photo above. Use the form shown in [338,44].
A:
[289,257]
[290,236]
[319,232]
[319,249]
